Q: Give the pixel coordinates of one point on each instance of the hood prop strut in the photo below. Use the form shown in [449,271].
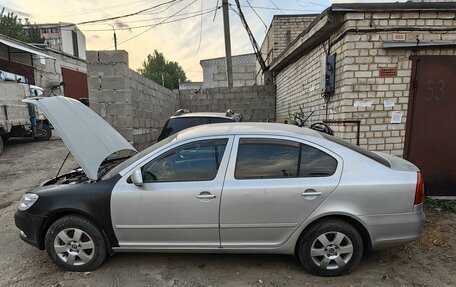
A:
[62,165]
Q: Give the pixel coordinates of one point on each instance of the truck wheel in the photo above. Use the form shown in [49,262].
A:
[46,133]
[5,138]
[1,145]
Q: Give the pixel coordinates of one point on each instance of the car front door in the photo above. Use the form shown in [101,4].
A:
[272,185]
[178,204]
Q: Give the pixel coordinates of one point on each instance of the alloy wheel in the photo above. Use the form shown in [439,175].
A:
[331,250]
[74,246]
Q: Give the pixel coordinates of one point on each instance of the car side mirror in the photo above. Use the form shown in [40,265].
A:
[136,177]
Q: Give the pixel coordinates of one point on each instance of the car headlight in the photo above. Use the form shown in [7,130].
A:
[27,200]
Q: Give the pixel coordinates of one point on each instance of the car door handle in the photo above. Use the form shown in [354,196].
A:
[205,195]
[311,192]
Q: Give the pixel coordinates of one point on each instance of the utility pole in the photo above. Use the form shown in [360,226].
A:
[226,29]
[115,37]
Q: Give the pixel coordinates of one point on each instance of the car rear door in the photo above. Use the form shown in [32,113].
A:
[272,185]
[178,204]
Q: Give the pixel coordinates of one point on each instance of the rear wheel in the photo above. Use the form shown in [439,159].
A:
[330,248]
[76,244]
[46,133]
[1,145]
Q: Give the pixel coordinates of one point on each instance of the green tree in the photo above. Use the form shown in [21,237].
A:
[158,69]
[12,27]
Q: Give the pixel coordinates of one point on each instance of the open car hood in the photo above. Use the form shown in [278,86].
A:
[89,138]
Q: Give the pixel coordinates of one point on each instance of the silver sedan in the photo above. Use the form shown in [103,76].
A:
[236,187]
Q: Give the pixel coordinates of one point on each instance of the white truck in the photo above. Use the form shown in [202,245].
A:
[18,119]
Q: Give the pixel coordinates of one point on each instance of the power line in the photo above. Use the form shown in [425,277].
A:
[254,43]
[157,18]
[148,25]
[201,27]
[104,9]
[150,28]
[272,2]
[254,11]
[277,9]
[215,14]
[121,16]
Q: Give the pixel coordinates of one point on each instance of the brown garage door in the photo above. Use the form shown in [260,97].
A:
[431,137]
[75,84]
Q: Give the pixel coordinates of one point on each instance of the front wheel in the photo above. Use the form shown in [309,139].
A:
[330,248]
[76,244]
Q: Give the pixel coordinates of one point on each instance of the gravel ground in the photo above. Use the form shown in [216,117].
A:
[429,261]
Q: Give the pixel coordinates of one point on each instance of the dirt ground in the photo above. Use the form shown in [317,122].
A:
[429,261]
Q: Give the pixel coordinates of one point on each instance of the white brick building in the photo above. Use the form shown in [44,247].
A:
[380,49]
[214,71]
[283,30]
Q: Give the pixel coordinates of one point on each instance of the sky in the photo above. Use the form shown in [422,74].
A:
[188,37]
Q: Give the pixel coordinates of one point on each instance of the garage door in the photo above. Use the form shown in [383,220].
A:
[431,137]
[75,84]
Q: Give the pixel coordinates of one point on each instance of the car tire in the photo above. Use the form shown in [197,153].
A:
[75,244]
[1,145]
[46,133]
[330,248]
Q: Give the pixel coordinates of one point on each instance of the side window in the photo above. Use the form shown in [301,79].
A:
[266,158]
[273,158]
[316,163]
[197,161]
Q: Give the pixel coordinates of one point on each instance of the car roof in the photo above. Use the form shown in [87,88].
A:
[246,128]
[205,115]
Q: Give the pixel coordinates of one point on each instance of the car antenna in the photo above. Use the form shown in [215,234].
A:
[62,165]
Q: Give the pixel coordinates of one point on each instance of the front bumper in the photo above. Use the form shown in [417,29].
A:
[30,227]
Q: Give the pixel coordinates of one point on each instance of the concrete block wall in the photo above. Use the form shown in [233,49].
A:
[51,71]
[254,103]
[135,105]
[359,56]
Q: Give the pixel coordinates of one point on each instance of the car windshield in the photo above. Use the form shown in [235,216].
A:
[139,155]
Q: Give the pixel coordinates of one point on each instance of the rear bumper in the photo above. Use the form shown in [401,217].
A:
[393,229]
[30,226]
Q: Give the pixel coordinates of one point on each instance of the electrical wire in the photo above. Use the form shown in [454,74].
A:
[215,14]
[254,43]
[150,28]
[121,16]
[254,11]
[157,18]
[148,25]
[272,2]
[104,9]
[201,27]
[277,9]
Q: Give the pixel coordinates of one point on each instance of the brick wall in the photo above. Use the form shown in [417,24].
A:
[359,56]
[283,30]
[254,103]
[135,105]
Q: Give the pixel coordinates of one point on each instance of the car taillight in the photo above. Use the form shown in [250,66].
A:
[419,193]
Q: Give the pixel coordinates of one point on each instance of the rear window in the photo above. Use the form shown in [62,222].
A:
[358,149]
[176,125]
